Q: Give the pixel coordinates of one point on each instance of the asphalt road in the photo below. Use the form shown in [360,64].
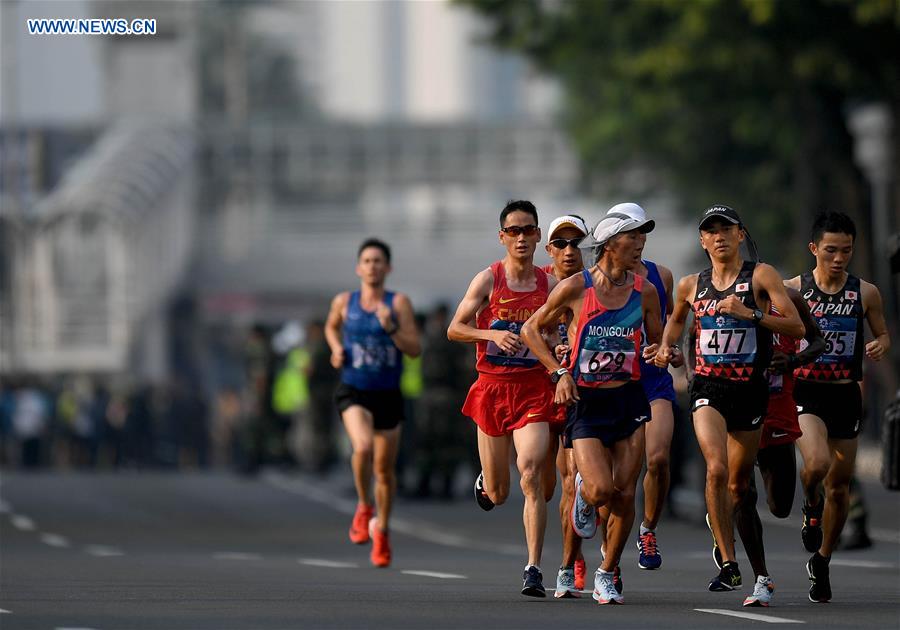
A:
[153,550]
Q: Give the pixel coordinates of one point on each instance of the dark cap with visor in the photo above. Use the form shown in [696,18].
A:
[724,213]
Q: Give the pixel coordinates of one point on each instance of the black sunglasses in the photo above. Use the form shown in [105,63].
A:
[562,243]
[516,230]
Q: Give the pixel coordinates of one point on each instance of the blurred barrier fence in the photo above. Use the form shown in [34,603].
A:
[89,266]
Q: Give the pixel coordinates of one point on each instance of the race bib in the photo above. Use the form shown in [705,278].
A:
[727,340]
[373,356]
[521,358]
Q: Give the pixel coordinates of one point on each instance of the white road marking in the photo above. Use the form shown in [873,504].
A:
[55,540]
[236,555]
[102,551]
[22,522]
[5,612]
[329,564]
[750,616]
[416,529]
[435,574]
[865,564]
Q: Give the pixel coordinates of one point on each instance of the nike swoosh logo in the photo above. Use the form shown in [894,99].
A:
[533,415]
[776,434]
[502,301]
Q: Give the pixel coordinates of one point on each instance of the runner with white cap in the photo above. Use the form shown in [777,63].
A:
[609,305]
[564,240]
[658,386]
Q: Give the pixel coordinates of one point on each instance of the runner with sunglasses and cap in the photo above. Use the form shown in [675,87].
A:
[367,330]
[827,391]
[565,237]
[609,306]
[730,301]
[511,402]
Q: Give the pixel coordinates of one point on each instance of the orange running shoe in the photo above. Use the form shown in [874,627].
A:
[381,546]
[579,574]
[359,528]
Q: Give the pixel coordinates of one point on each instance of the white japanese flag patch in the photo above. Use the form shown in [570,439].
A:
[742,287]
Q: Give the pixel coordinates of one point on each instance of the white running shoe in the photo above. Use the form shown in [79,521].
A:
[584,515]
[763,592]
[565,584]
[605,589]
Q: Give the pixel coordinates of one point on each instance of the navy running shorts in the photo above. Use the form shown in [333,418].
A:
[608,414]
[658,386]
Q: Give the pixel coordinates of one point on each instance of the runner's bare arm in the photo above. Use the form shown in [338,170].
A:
[333,329]
[561,300]
[684,295]
[547,317]
[462,326]
[406,335]
[771,282]
[652,320]
[668,281]
[874,310]
[781,363]
[767,281]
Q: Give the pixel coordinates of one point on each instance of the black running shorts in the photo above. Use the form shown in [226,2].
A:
[839,405]
[742,403]
[385,405]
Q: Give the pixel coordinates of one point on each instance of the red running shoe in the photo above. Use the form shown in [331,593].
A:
[580,570]
[381,546]
[359,528]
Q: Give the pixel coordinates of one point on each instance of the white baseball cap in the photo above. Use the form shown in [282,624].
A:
[567,220]
[622,217]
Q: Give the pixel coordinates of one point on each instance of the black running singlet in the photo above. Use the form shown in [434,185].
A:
[840,318]
[727,347]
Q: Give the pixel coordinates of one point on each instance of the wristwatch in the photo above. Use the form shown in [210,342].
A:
[757,315]
[555,376]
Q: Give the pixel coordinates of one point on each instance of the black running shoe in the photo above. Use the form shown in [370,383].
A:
[729,578]
[820,584]
[811,531]
[484,501]
[534,583]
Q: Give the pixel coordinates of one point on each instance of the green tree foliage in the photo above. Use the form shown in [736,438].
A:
[737,101]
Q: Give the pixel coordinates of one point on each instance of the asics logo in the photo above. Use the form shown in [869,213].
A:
[808,294]
[508,300]
[756,420]
[799,408]
[703,292]
[856,426]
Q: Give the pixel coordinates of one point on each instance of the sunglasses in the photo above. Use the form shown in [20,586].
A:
[516,230]
[562,243]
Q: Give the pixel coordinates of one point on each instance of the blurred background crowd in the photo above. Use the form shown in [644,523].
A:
[177,210]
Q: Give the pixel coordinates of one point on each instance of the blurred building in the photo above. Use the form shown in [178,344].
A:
[236,159]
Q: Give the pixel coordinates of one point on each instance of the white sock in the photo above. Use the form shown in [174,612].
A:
[528,566]
[644,530]
[602,572]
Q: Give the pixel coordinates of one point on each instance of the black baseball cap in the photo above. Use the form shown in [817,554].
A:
[719,211]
